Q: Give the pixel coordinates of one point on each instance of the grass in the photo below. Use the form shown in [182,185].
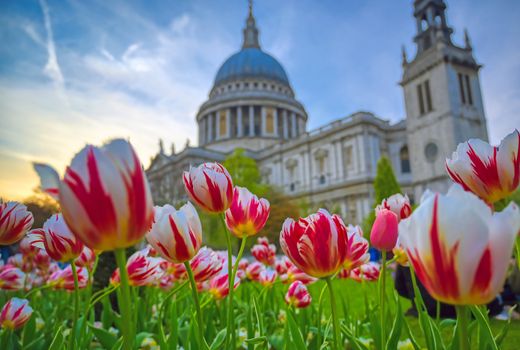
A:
[351,293]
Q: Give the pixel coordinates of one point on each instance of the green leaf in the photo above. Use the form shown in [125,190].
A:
[57,342]
[503,332]
[257,340]
[483,324]
[352,339]
[397,326]
[106,338]
[140,337]
[296,334]
[219,340]
[29,330]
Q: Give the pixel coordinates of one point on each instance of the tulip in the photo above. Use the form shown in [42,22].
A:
[49,179]
[368,272]
[384,231]
[142,270]
[247,214]
[267,277]
[27,249]
[398,204]
[64,279]
[242,264]
[400,255]
[264,252]
[15,221]
[210,186]
[205,264]
[458,247]
[105,197]
[219,286]
[298,295]
[176,234]
[12,278]
[253,270]
[295,274]
[176,271]
[357,248]
[317,245]
[15,313]
[42,260]
[282,265]
[86,259]
[56,239]
[491,173]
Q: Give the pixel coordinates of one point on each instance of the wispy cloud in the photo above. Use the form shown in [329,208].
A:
[52,68]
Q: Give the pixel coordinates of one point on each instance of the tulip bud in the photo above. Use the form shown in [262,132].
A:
[15,313]
[12,278]
[264,252]
[298,295]
[15,221]
[205,264]
[384,231]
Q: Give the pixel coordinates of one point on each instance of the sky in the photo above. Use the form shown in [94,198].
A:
[74,72]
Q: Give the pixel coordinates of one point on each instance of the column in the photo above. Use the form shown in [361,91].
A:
[293,126]
[217,125]
[262,122]
[228,123]
[210,127]
[251,121]
[339,158]
[239,122]
[275,121]
[285,126]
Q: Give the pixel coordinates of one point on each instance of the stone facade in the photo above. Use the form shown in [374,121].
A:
[253,106]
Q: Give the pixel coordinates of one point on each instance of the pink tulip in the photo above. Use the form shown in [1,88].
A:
[210,186]
[264,252]
[298,295]
[295,274]
[384,231]
[15,313]
[56,239]
[176,234]
[267,277]
[491,173]
[105,197]
[219,286]
[15,221]
[247,214]
[12,278]
[253,270]
[64,279]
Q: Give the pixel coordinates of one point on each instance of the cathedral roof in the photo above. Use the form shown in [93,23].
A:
[251,62]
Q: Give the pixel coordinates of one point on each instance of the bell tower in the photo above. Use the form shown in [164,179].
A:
[442,96]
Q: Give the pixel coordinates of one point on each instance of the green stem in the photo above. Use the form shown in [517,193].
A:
[37,289]
[335,320]
[462,326]
[72,334]
[517,246]
[230,332]
[124,302]
[320,313]
[197,303]
[382,299]
[89,295]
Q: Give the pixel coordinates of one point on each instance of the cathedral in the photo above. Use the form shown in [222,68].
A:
[253,106]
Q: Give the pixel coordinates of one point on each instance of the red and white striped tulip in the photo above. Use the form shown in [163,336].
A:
[298,295]
[176,234]
[64,279]
[317,244]
[243,264]
[210,186]
[86,259]
[205,264]
[56,239]
[219,285]
[253,270]
[15,313]
[459,248]
[27,249]
[368,272]
[398,204]
[267,277]
[357,248]
[247,214]
[12,278]
[384,230]
[295,274]
[282,265]
[15,221]
[143,270]
[491,173]
[105,197]
[264,252]
[176,270]
[49,179]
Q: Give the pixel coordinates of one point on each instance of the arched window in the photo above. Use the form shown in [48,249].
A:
[405,160]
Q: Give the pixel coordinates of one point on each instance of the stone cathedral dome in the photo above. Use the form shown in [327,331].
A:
[251,104]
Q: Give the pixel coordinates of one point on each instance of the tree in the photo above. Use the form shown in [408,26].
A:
[244,172]
[282,207]
[385,185]
[42,206]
